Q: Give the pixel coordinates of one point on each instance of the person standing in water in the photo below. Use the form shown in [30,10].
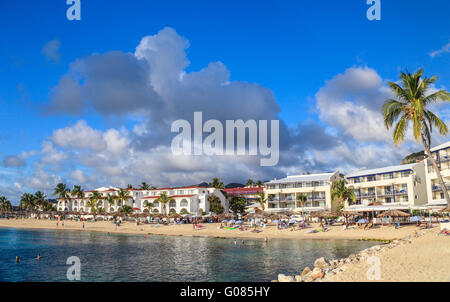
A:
[39,257]
[18,259]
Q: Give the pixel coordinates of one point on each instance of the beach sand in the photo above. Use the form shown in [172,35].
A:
[422,259]
[211,230]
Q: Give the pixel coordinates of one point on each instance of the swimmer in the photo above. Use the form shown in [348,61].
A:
[18,259]
[39,257]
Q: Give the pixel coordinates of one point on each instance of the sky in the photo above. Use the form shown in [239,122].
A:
[91,102]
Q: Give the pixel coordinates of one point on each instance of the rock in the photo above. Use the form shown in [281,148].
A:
[274,281]
[320,263]
[375,248]
[284,278]
[306,271]
[352,256]
[317,273]
[298,278]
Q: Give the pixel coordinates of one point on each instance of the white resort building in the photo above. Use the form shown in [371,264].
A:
[435,194]
[190,199]
[395,187]
[282,193]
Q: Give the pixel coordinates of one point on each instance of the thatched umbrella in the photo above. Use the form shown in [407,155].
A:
[323,214]
[175,216]
[394,214]
[375,204]
[226,216]
[290,213]
[445,210]
[254,215]
[278,216]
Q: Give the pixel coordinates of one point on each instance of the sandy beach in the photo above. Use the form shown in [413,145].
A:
[422,259]
[211,230]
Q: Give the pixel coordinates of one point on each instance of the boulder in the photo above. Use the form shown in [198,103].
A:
[284,278]
[298,278]
[320,263]
[317,273]
[307,278]
[306,271]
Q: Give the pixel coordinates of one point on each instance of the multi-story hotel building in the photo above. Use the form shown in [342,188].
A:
[399,187]
[435,194]
[191,199]
[282,193]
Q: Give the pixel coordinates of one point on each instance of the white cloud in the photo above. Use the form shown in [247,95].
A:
[51,51]
[443,49]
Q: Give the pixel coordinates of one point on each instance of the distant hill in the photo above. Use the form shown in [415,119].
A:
[414,158]
[203,184]
[234,185]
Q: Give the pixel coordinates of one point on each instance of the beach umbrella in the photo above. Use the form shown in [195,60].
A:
[226,216]
[290,213]
[447,209]
[323,214]
[394,213]
[254,215]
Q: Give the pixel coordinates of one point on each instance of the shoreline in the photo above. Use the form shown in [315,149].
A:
[382,234]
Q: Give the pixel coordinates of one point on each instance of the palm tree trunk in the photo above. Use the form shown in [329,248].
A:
[436,169]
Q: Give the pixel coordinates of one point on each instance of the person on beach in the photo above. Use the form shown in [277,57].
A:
[83,224]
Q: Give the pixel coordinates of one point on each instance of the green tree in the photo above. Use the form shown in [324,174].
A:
[126,209]
[123,196]
[5,204]
[144,186]
[62,192]
[259,183]
[250,183]
[164,199]
[111,200]
[94,201]
[216,183]
[39,199]
[238,204]
[414,97]
[149,205]
[341,193]
[262,199]
[215,205]
[27,202]
[302,198]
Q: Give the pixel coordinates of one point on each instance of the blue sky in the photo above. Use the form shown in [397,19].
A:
[289,47]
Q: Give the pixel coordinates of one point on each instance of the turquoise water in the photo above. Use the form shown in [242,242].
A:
[119,257]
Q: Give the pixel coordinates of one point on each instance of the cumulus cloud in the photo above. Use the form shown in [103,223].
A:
[51,51]
[16,161]
[154,88]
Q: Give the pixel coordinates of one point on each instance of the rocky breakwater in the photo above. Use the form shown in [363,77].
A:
[324,268]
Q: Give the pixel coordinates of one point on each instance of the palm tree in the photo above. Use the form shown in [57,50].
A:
[259,183]
[129,186]
[149,205]
[164,199]
[62,192]
[123,196]
[40,199]
[302,198]
[27,201]
[413,97]
[216,183]
[144,186]
[340,193]
[111,199]
[127,210]
[250,183]
[94,201]
[262,200]
[5,204]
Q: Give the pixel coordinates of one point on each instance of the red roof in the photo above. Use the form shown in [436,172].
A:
[255,190]
[174,196]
